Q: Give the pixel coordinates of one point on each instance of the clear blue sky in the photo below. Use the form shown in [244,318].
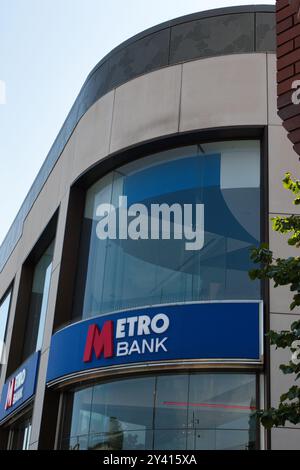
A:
[47,48]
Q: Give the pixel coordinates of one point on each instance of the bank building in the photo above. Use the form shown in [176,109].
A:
[138,342]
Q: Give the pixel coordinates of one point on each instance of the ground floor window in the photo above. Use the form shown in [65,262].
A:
[19,434]
[194,411]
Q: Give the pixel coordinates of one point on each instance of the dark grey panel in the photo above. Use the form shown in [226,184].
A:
[145,55]
[227,34]
[265,32]
[96,86]
[209,33]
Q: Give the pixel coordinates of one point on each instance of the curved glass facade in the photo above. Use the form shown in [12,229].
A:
[224,179]
[197,411]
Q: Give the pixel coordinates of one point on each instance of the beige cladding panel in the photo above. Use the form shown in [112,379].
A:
[146,108]
[282,159]
[280,297]
[92,135]
[280,383]
[288,438]
[224,91]
[285,439]
[8,274]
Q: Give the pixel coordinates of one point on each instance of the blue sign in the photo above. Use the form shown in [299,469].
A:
[207,331]
[20,387]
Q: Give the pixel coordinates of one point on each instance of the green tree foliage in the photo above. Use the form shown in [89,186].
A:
[283,272]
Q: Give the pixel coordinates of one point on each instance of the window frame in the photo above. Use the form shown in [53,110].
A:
[67,392]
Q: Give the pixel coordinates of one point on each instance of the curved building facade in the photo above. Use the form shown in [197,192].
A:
[127,313]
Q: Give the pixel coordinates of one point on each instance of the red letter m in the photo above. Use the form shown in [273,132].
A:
[10,394]
[99,341]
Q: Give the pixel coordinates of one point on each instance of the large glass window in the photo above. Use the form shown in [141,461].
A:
[4,313]
[120,273]
[197,411]
[19,435]
[38,303]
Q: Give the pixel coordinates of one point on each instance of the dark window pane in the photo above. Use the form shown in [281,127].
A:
[20,435]
[222,404]
[171,402]
[38,303]
[75,443]
[191,411]
[216,439]
[4,312]
[170,439]
[122,440]
[123,406]
[81,412]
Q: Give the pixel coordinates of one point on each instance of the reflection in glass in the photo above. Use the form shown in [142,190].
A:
[170,439]
[171,401]
[121,440]
[168,412]
[75,443]
[4,311]
[38,303]
[111,414]
[118,274]
[81,412]
[221,405]
[19,435]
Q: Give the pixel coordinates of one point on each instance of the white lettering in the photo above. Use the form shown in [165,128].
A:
[140,326]
[163,217]
[138,227]
[18,395]
[131,322]
[107,226]
[160,344]
[134,348]
[20,379]
[120,330]
[160,318]
[198,233]
[147,346]
[122,349]
[143,325]
[165,211]
[123,218]
[296,94]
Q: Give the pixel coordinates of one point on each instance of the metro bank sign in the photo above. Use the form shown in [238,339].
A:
[208,331]
[20,387]
[141,326]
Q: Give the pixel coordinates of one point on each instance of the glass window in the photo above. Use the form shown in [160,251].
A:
[171,401]
[4,312]
[109,413]
[221,405]
[184,411]
[123,273]
[108,422]
[38,303]
[82,412]
[19,438]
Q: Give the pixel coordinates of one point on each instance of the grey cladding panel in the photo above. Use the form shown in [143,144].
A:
[210,37]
